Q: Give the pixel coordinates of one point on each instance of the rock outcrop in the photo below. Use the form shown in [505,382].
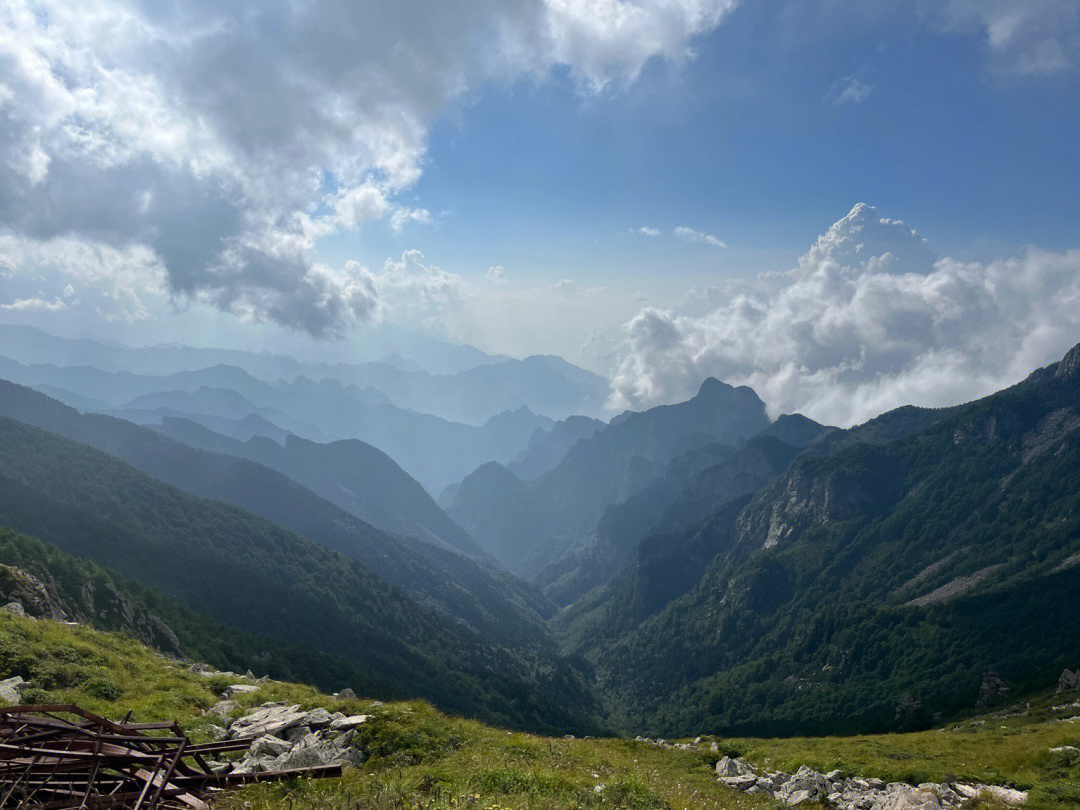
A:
[1069,680]
[284,736]
[9,690]
[99,603]
[807,785]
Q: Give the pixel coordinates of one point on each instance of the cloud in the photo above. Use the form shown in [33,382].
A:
[496,274]
[868,320]
[410,289]
[850,90]
[402,216]
[35,305]
[1030,37]
[226,139]
[645,230]
[690,235]
[116,284]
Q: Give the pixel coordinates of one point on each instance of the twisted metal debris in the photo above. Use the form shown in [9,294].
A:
[61,757]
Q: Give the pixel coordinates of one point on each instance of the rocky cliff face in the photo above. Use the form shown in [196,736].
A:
[101,604]
[31,594]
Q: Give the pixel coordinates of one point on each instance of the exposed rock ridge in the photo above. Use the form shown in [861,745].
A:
[101,604]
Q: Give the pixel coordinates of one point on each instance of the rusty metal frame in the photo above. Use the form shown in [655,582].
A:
[62,757]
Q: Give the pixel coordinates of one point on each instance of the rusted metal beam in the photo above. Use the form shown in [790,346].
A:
[62,757]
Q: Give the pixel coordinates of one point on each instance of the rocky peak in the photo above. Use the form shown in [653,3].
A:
[1069,367]
[712,387]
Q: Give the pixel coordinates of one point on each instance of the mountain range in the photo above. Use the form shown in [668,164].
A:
[697,565]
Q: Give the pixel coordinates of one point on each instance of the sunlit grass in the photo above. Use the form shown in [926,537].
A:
[417,757]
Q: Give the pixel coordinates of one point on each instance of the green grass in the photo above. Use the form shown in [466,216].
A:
[417,757]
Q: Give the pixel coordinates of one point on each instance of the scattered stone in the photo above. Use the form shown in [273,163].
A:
[797,797]
[297,733]
[856,793]
[9,689]
[347,694]
[216,733]
[908,799]
[239,689]
[273,718]
[223,708]
[1007,795]
[269,746]
[744,782]
[733,767]
[318,718]
[1062,749]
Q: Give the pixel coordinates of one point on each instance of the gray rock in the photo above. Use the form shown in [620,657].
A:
[250,764]
[1069,680]
[216,732]
[14,607]
[1063,749]
[348,757]
[910,799]
[317,718]
[733,767]
[9,689]
[1006,795]
[271,719]
[236,689]
[306,756]
[298,733]
[798,797]
[834,776]
[347,694]
[348,723]
[269,746]
[743,782]
[223,708]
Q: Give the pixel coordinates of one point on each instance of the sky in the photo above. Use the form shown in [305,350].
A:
[847,205]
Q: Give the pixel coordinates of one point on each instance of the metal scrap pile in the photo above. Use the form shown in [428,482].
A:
[61,757]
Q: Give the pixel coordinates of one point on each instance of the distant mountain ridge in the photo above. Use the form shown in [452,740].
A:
[334,620]
[871,584]
[531,525]
[431,449]
[470,393]
[490,601]
[353,475]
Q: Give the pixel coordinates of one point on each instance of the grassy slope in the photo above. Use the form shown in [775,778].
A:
[418,757]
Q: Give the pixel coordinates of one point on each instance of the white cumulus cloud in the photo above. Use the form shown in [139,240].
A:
[850,90]
[690,235]
[869,319]
[1028,37]
[225,139]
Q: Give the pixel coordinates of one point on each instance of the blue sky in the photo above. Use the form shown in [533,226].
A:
[747,141]
[658,190]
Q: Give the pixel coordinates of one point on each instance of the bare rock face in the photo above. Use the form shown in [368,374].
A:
[1069,680]
[1069,367]
[103,605]
[33,596]
[991,690]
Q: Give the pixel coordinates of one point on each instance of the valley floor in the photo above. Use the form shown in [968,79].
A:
[417,757]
